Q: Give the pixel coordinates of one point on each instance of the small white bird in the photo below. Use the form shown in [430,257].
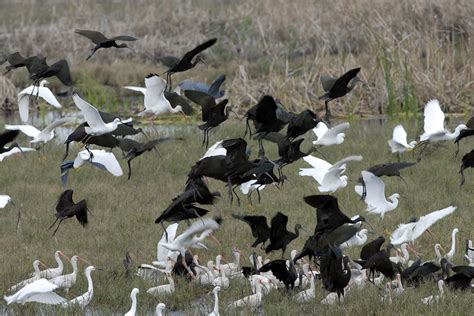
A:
[160,307]
[84,299]
[40,291]
[309,294]
[434,129]
[155,101]
[452,251]
[68,280]
[33,91]
[133,309]
[375,197]
[94,120]
[215,311]
[36,276]
[163,289]
[15,150]
[4,200]
[54,272]
[101,157]
[432,299]
[469,255]
[358,239]
[328,176]
[332,136]
[38,136]
[411,231]
[398,144]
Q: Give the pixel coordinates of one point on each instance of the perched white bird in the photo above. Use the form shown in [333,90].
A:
[33,91]
[332,136]
[375,197]
[94,120]
[358,239]
[133,309]
[411,231]
[36,276]
[398,144]
[101,157]
[15,150]
[452,251]
[38,136]
[160,307]
[54,272]
[254,300]
[4,200]
[215,311]
[68,280]
[309,294]
[162,253]
[328,176]
[432,299]
[434,129]
[163,289]
[40,291]
[155,101]
[84,299]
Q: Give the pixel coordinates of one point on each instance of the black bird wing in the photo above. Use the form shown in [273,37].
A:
[62,72]
[236,149]
[266,110]
[203,99]
[258,225]
[466,270]
[175,100]
[190,55]
[94,36]
[14,59]
[80,210]
[214,88]
[327,82]
[7,137]
[390,169]
[470,123]
[124,38]
[302,123]
[278,268]
[127,145]
[328,213]
[278,226]
[65,201]
[371,248]
[149,145]
[168,61]
[280,140]
[343,81]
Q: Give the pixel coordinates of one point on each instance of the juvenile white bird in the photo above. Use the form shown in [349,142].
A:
[432,299]
[232,267]
[30,92]
[94,120]
[222,280]
[328,176]
[133,308]
[215,311]
[36,276]
[40,291]
[163,289]
[375,197]
[83,300]
[403,257]
[4,200]
[398,144]
[332,136]
[68,280]
[38,136]
[358,239]
[411,231]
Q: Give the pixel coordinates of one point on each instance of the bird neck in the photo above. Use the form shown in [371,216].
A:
[216,303]
[90,286]
[405,253]
[394,202]
[74,266]
[453,242]
[158,312]
[441,289]
[438,254]
[133,309]
[59,262]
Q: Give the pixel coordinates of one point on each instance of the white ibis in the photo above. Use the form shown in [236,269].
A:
[68,280]
[40,291]
[328,176]
[41,91]
[331,136]
[83,300]
[452,251]
[163,289]
[54,272]
[232,267]
[36,276]
[375,196]
[38,136]
[133,308]
[254,300]
[222,280]
[4,200]
[215,311]
[405,255]
[432,299]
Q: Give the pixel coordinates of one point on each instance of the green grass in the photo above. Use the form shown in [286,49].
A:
[123,213]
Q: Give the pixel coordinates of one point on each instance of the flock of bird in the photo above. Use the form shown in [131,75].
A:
[229,161]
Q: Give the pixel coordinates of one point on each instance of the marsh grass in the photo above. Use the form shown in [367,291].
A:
[123,213]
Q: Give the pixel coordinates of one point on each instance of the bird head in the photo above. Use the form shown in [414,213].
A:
[160,307]
[216,289]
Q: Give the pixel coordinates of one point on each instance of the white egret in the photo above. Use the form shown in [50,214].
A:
[332,136]
[434,129]
[155,101]
[163,253]
[40,291]
[4,200]
[15,150]
[411,231]
[54,272]
[437,248]
[36,276]
[358,239]
[250,186]
[99,157]
[452,251]
[309,294]
[215,311]
[398,144]
[160,307]
[375,197]
[328,176]
[133,308]
[68,280]
[41,91]
[163,289]
[38,136]
[83,300]
[432,299]
[94,120]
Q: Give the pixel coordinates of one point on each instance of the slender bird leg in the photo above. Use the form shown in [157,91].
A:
[457,149]
[92,53]
[238,198]
[398,157]
[406,184]
[462,176]
[57,218]
[229,184]
[129,163]
[54,233]
[258,195]
[431,234]
[67,151]
[19,217]
[204,139]
[328,112]
[166,232]
[261,150]
[183,260]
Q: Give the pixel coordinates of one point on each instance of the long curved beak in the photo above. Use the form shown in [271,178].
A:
[43,265]
[62,254]
[214,239]
[84,260]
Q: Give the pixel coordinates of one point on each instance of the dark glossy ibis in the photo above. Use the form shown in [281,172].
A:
[335,272]
[283,272]
[280,237]
[66,208]
[259,227]
[101,41]
[467,162]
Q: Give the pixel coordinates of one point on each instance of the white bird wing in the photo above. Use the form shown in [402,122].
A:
[4,199]
[55,124]
[375,189]
[50,298]
[317,162]
[336,130]
[49,97]
[429,219]
[320,130]
[342,162]
[162,252]
[24,106]
[246,186]
[15,150]
[197,227]
[28,130]
[90,113]
[434,118]
[399,235]
[155,86]
[104,158]
[400,135]
[215,150]
[333,175]
[359,189]
[137,89]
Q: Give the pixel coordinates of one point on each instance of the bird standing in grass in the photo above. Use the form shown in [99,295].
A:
[101,41]
[133,308]
[83,300]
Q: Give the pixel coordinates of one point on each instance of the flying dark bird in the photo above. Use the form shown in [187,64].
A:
[214,90]
[280,237]
[371,248]
[465,133]
[212,114]
[80,135]
[467,162]
[380,261]
[101,41]
[418,272]
[59,69]
[338,87]
[335,272]
[66,208]
[283,272]
[212,167]
[462,279]
[8,137]
[181,270]
[186,62]
[301,123]
[17,61]
[133,149]
[197,191]
[259,227]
